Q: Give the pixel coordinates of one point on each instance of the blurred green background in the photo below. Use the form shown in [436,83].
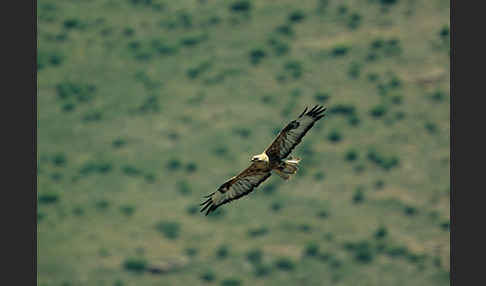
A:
[145,106]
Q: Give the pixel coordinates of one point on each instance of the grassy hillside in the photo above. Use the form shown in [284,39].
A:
[144,106]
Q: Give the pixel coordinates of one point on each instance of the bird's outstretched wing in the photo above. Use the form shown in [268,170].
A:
[236,187]
[292,134]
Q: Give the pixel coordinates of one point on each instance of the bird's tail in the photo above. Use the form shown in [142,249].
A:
[289,167]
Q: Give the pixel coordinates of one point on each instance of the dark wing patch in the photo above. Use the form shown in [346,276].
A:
[236,187]
[293,133]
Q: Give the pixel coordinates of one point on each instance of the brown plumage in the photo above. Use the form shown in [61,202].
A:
[273,159]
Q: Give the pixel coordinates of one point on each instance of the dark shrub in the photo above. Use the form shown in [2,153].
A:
[319,176]
[195,72]
[444,32]
[255,232]
[438,95]
[254,256]
[390,163]
[208,276]
[321,97]
[231,282]
[131,170]
[296,16]
[397,99]
[59,160]
[358,196]
[445,225]
[373,77]
[221,151]
[400,115]
[379,184]
[324,257]
[68,107]
[55,59]
[343,109]
[192,210]
[296,92]
[173,165]
[377,44]
[329,236]
[354,21]
[104,167]
[285,30]
[410,211]
[192,41]
[269,189]
[354,120]
[323,214]
[169,229]
[92,116]
[256,56]
[149,178]
[354,70]
[322,6]
[334,136]
[395,251]
[242,132]
[276,206]
[388,2]
[279,48]
[222,252]
[128,31]
[431,127]
[392,47]
[191,167]
[378,111]
[40,216]
[363,252]
[185,19]
[395,82]
[72,24]
[56,176]
[340,50]
[127,210]
[191,252]
[217,214]
[294,68]
[342,9]
[267,99]
[162,47]
[184,188]
[78,211]
[312,249]
[80,92]
[372,56]
[102,205]
[48,198]
[262,270]
[150,104]
[380,160]
[304,228]
[351,155]
[240,6]
[142,2]
[284,264]
[135,264]
[118,143]
[381,232]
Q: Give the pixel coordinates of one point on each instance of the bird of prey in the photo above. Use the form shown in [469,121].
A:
[273,159]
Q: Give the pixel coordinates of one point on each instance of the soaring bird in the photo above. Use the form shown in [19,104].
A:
[273,159]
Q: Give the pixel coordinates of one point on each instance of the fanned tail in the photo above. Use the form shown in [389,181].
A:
[288,167]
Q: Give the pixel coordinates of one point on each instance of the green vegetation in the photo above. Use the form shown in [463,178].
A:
[146,106]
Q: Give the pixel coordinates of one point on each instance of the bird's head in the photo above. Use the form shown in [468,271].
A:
[259,158]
